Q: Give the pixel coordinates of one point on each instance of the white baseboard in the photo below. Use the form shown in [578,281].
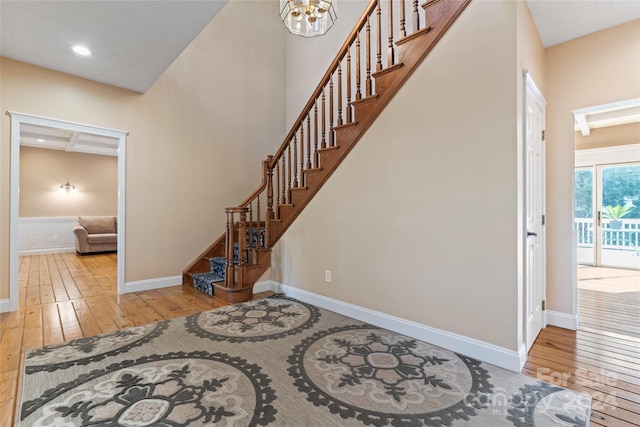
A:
[147,285]
[29,252]
[524,355]
[5,305]
[499,356]
[562,320]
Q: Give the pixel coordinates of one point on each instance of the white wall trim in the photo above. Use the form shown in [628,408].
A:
[31,252]
[562,320]
[49,234]
[499,356]
[17,119]
[5,305]
[149,284]
[607,155]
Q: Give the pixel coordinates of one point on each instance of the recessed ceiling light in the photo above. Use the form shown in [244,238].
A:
[40,140]
[81,50]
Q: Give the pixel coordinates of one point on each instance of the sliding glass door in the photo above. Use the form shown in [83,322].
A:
[584,216]
[607,215]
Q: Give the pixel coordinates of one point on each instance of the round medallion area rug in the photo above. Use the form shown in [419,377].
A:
[278,362]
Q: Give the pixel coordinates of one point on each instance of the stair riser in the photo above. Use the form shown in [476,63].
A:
[440,15]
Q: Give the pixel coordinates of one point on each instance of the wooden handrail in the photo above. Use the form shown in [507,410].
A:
[263,185]
[337,108]
[325,79]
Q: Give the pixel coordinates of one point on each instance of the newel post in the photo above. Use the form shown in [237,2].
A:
[270,213]
[230,277]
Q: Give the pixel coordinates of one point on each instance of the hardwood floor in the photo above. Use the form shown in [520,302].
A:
[601,358]
[66,296]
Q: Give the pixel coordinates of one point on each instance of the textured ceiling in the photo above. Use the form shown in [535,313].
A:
[133,41]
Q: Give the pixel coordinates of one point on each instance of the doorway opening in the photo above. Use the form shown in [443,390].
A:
[607,217]
[100,138]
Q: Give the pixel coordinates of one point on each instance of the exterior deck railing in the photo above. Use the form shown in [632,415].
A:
[626,237]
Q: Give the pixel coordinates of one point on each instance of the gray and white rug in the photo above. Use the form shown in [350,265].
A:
[278,362]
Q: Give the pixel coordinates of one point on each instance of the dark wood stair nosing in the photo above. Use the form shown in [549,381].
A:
[413,36]
[387,70]
[430,3]
[414,48]
[328,148]
[345,125]
[314,170]
[366,99]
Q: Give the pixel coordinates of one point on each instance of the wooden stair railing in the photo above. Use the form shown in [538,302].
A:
[336,116]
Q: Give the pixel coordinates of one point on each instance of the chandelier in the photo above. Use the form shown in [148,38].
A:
[308,18]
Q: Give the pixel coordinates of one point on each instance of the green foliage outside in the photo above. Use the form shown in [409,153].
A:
[621,191]
[584,193]
[616,212]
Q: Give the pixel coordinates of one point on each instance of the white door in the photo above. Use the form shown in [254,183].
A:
[534,208]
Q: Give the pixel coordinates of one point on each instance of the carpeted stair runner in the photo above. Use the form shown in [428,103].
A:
[204,281]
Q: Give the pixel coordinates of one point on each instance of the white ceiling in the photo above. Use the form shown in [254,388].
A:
[135,41]
[559,21]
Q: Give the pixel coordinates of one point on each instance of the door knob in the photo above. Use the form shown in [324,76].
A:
[531,233]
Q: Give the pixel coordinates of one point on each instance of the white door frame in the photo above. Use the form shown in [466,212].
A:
[531,89]
[595,159]
[17,119]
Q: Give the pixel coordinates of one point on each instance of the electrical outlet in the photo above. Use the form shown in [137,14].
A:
[55,237]
[327,276]
[32,239]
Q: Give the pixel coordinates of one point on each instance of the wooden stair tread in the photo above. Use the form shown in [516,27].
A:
[365,99]
[421,32]
[345,125]
[361,113]
[333,147]
[312,170]
[388,70]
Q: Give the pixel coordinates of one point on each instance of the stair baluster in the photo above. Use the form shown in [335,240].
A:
[416,16]
[368,87]
[331,133]
[391,60]
[232,264]
[308,142]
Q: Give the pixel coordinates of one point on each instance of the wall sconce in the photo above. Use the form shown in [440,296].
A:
[69,188]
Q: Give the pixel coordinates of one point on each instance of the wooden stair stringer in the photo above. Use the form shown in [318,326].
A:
[411,52]
[201,263]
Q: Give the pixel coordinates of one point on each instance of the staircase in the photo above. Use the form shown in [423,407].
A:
[352,93]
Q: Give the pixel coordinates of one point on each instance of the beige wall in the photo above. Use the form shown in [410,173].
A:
[609,136]
[196,137]
[420,221]
[595,69]
[42,172]
[309,58]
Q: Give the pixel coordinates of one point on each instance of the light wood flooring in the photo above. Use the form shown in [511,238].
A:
[66,296]
[601,358]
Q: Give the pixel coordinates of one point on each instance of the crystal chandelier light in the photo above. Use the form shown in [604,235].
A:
[308,18]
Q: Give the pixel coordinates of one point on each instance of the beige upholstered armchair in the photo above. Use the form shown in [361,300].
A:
[96,234]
